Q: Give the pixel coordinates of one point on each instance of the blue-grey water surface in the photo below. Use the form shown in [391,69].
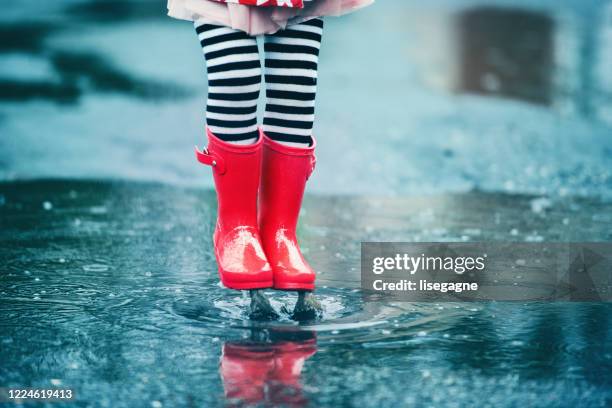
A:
[111,289]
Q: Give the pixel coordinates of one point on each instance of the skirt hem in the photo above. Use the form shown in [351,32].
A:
[258,20]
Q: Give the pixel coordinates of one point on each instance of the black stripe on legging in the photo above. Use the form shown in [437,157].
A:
[239,136]
[235,81]
[234,66]
[302,35]
[224,37]
[290,49]
[246,49]
[290,64]
[231,123]
[249,96]
[206,27]
[291,124]
[315,22]
[281,137]
[232,110]
[292,80]
[291,110]
[297,96]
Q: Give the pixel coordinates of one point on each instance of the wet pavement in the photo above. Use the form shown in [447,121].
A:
[454,121]
[111,288]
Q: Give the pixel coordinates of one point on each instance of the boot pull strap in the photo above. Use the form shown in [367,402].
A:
[313,163]
[205,157]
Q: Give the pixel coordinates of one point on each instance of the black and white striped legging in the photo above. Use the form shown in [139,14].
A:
[234,82]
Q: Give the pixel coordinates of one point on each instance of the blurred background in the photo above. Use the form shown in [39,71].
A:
[415,97]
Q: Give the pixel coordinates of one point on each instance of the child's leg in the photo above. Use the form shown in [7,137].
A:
[292,56]
[234,80]
[288,155]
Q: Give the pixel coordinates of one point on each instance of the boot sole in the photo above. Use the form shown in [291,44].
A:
[294,286]
[247,285]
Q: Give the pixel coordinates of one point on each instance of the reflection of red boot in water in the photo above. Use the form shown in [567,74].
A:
[265,374]
[245,371]
[285,386]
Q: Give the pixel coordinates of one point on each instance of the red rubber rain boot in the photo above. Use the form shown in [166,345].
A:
[244,371]
[265,374]
[285,171]
[236,171]
[285,385]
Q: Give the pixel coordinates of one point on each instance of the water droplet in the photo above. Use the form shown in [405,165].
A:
[95,268]
[534,237]
[335,331]
[56,381]
[62,260]
[99,209]
[386,332]
[472,231]
[148,274]
[446,335]
[47,205]
[156,404]
[422,333]
[539,205]
[36,279]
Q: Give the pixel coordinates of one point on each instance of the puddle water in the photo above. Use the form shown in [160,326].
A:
[124,306]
